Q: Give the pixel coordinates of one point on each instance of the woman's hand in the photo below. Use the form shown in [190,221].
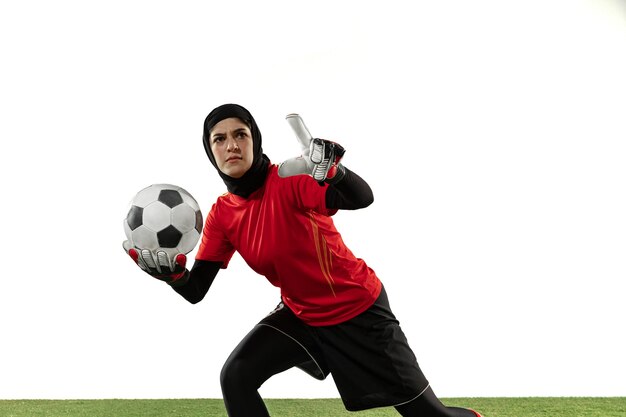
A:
[321,161]
[159,265]
[320,158]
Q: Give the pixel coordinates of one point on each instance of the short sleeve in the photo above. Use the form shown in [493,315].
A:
[214,245]
[311,195]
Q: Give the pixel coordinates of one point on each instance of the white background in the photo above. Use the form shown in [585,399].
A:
[492,133]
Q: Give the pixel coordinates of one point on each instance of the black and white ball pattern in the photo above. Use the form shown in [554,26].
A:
[164,217]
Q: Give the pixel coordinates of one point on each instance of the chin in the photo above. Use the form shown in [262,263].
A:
[234,173]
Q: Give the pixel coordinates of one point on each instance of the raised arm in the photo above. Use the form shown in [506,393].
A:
[351,192]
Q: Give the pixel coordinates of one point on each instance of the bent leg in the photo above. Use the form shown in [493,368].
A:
[262,353]
[428,405]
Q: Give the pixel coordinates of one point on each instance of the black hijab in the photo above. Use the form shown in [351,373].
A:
[254,178]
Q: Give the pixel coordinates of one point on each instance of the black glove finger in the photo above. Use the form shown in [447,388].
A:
[333,150]
[338,151]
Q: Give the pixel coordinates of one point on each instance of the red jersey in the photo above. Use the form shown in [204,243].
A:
[284,232]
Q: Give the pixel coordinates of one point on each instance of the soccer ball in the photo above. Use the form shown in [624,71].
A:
[163,217]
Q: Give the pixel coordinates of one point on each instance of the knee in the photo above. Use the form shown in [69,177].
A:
[237,375]
[230,373]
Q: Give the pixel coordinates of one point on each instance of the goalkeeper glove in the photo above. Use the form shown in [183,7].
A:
[159,265]
[321,160]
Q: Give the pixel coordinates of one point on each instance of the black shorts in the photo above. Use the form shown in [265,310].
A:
[368,356]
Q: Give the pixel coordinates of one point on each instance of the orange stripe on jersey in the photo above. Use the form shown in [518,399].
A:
[324,256]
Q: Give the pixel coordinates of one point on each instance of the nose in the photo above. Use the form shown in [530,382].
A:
[232,144]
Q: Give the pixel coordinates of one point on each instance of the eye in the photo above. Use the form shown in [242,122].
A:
[218,138]
[242,134]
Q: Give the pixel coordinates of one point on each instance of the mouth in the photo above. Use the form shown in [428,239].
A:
[234,159]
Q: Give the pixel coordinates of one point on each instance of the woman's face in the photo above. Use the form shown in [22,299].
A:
[231,144]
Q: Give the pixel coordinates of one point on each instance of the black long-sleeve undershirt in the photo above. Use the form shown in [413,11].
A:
[199,281]
[351,193]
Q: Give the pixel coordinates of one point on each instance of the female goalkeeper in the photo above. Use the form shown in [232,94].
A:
[334,315]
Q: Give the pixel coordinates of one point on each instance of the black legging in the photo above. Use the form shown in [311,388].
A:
[262,353]
[428,405]
[265,352]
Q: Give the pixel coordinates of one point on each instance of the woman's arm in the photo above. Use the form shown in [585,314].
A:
[351,192]
[200,279]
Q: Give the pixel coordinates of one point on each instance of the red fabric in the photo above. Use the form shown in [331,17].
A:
[181,259]
[133,254]
[284,232]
